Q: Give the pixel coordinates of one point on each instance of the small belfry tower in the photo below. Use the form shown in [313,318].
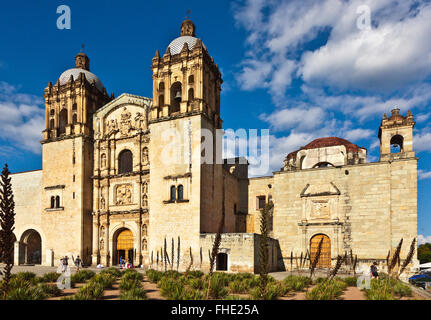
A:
[67,153]
[396,132]
[185,193]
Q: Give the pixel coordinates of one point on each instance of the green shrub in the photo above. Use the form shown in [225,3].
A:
[351,281]
[90,291]
[402,290]
[196,283]
[195,274]
[112,271]
[87,274]
[134,293]
[49,290]
[233,297]
[128,284]
[154,276]
[50,277]
[25,292]
[380,289]
[217,288]
[170,288]
[27,276]
[132,276]
[328,290]
[172,274]
[271,292]
[190,294]
[296,283]
[238,286]
[104,279]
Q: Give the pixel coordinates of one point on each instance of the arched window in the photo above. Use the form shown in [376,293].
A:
[52,202]
[161,87]
[52,112]
[63,121]
[176,96]
[323,165]
[180,192]
[191,79]
[74,106]
[397,142]
[51,124]
[173,193]
[191,94]
[57,201]
[125,162]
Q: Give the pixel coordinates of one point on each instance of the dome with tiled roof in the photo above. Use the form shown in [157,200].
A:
[325,152]
[188,35]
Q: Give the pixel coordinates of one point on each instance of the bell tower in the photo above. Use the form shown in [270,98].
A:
[396,136]
[185,193]
[67,159]
[185,79]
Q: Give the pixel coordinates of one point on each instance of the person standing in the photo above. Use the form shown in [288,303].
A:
[374,271]
[77,262]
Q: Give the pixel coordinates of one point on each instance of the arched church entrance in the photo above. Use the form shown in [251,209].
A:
[30,251]
[325,253]
[123,246]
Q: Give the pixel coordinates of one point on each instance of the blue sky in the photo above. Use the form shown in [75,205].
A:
[303,69]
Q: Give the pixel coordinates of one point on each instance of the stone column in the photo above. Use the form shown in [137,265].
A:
[16,253]
[107,244]
[138,258]
[96,237]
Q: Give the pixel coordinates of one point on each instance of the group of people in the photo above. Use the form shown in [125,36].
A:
[125,264]
[65,263]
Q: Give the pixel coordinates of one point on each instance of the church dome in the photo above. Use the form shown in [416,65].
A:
[327,142]
[188,35]
[75,72]
[177,44]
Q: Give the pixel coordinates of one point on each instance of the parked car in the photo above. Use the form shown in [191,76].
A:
[421,280]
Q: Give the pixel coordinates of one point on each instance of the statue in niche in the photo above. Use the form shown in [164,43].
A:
[124,195]
[102,244]
[144,201]
[145,188]
[144,244]
[144,230]
[103,160]
[145,156]
[141,121]
[102,203]
[102,232]
[126,123]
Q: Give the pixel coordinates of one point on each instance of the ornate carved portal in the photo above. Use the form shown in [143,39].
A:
[124,195]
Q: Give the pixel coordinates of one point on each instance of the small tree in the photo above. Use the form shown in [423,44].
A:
[7,221]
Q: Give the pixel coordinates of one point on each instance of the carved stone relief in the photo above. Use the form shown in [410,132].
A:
[124,195]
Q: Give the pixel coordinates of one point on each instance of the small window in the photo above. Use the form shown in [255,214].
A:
[180,193]
[173,193]
[52,202]
[75,119]
[221,262]
[261,200]
[57,201]
[125,162]
[191,79]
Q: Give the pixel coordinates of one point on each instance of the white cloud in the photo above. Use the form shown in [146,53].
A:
[423,239]
[21,118]
[304,119]
[424,174]
[422,141]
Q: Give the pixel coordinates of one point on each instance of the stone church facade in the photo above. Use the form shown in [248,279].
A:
[109,186]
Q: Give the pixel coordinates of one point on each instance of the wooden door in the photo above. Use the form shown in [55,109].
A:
[325,253]
[125,245]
